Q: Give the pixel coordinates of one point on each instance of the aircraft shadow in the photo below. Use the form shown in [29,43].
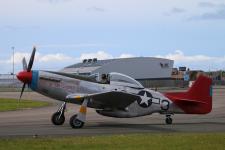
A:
[176,127]
[124,126]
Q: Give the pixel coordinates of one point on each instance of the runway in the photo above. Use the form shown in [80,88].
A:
[37,121]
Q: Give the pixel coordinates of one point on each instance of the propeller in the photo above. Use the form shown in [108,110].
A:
[31,60]
[25,76]
[24,64]
[24,85]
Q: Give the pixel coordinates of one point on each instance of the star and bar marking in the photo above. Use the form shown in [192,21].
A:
[146,99]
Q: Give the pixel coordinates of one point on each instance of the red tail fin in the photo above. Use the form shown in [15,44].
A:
[197,100]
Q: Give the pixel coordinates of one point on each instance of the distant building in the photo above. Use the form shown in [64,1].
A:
[217,75]
[177,74]
[184,73]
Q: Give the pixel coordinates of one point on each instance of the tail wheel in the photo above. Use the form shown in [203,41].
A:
[169,120]
[58,118]
[76,123]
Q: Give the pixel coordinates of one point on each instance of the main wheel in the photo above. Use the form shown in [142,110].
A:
[58,119]
[169,120]
[75,123]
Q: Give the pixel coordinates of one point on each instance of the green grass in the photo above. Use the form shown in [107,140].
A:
[13,104]
[133,142]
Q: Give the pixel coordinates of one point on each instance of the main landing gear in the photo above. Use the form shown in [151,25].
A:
[169,120]
[76,121]
[58,118]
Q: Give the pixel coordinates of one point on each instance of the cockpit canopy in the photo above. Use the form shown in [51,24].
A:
[115,78]
[122,79]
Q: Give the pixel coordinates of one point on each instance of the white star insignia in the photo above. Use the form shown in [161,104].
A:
[144,99]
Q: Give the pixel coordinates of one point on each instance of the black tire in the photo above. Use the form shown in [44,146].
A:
[75,123]
[56,120]
[169,120]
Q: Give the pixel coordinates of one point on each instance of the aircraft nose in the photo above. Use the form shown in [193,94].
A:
[24,76]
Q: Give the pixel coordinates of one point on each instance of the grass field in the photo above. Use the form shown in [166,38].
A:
[13,104]
[134,142]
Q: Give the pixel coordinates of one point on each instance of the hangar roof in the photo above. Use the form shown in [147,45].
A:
[91,64]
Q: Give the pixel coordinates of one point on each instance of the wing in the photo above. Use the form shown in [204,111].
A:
[113,99]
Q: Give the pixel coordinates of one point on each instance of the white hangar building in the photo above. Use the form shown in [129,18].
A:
[139,68]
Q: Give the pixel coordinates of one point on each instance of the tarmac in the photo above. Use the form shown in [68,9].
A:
[37,122]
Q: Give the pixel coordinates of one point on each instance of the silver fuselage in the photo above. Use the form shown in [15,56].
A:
[58,87]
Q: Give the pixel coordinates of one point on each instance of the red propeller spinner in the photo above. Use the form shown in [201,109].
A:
[25,76]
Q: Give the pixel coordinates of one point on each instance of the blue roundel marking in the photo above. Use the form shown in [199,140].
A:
[34,82]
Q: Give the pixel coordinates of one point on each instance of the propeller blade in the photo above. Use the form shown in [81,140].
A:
[31,60]
[24,85]
[24,64]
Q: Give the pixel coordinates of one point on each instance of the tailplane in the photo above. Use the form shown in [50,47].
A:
[197,100]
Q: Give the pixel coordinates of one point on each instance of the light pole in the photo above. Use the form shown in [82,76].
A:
[13,61]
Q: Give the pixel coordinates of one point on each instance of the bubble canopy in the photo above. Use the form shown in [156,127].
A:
[124,79]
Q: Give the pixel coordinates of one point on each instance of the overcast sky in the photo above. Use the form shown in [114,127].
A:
[191,32]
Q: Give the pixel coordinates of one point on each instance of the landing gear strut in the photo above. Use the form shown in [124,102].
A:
[58,118]
[169,120]
[78,120]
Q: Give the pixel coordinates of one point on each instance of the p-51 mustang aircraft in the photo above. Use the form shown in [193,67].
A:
[115,95]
